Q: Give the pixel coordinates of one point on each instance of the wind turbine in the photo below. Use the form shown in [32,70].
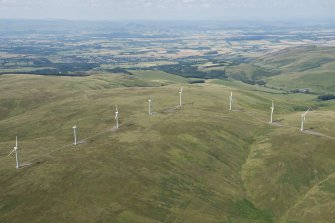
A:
[303,119]
[149,107]
[231,100]
[75,134]
[117,117]
[16,148]
[180,95]
[272,110]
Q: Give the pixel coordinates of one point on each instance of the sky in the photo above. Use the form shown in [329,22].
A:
[157,10]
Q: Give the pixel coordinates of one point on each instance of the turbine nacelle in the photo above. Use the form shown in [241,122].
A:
[16,150]
[230,100]
[117,117]
[303,119]
[116,112]
[180,95]
[272,110]
[75,134]
[304,114]
[149,100]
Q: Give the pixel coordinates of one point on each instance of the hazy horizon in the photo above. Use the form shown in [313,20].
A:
[169,10]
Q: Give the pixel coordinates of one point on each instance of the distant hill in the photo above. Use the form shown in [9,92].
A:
[297,59]
[293,68]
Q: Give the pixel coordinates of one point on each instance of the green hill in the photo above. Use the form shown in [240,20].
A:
[298,58]
[293,68]
[198,163]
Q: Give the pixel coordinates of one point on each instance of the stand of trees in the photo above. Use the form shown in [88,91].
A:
[326,97]
[188,70]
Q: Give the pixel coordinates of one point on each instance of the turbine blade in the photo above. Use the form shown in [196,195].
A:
[11,152]
[307,111]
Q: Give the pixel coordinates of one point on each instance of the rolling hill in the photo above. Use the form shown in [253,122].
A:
[293,68]
[197,163]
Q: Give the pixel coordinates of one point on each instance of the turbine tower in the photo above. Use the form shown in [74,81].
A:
[116,117]
[272,110]
[303,120]
[180,96]
[16,150]
[149,107]
[75,134]
[231,100]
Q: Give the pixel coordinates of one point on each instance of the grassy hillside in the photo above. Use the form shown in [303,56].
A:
[292,68]
[198,163]
[298,58]
[247,72]
[159,76]
[321,81]
[307,67]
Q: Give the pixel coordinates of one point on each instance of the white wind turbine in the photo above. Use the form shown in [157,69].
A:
[75,134]
[149,107]
[272,110]
[180,96]
[16,150]
[116,117]
[303,120]
[230,100]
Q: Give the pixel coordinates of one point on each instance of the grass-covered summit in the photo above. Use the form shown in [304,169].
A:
[198,163]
